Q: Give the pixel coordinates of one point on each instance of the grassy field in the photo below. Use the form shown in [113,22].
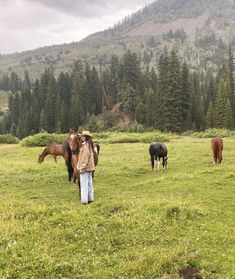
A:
[140,226]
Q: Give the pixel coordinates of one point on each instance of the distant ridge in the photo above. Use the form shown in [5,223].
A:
[200,30]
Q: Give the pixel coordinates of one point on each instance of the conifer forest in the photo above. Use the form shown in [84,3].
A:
[171,97]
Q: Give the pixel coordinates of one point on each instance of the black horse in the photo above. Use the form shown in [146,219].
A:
[157,151]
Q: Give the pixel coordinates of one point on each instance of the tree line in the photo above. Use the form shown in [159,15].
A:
[171,98]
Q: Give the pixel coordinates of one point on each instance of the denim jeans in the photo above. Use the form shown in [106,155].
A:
[87,188]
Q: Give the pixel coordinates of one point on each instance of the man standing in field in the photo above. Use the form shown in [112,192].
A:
[85,167]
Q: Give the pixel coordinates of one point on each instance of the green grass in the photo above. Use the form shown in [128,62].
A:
[140,226]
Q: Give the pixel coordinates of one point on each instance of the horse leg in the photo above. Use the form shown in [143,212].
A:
[216,157]
[220,157]
[152,162]
[70,170]
[158,162]
[54,156]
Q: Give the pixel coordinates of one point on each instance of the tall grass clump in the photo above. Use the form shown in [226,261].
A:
[8,139]
[43,139]
[210,133]
[121,137]
[131,128]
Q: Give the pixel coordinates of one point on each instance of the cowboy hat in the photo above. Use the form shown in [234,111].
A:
[86,133]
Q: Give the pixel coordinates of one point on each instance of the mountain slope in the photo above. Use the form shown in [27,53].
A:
[200,30]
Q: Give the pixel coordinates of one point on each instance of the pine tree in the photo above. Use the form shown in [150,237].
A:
[229,122]
[173,96]
[220,104]
[197,111]
[42,121]
[26,82]
[186,99]
[210,93]
[50,103]
[64,121]
[64,87]
[131,68]
[152,115]
[76,109]
[114,79]
[140,111]
[163,83]
[231,80]
[210,116]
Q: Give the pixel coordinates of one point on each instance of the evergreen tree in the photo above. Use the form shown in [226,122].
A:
[35,107]
[163,83]
[64,121]
[131,68]
[231,81]
[220,104]
[42,121]
[50,103]
[114,79]
[64,87]
[197,112]
[173,102]
[14,83]
[140,111]
[229,122]
[26,81]
[152,115]
[185,99]
[210,116]
[128,97]
[76,109]
[210,93]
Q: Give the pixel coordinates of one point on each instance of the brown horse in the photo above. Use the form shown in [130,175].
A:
[217,148]
[54,150]
[75,143]
[58,150]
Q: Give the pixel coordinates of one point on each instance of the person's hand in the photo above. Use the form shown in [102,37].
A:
[81,171]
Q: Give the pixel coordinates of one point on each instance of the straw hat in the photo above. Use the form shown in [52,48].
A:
[86,133]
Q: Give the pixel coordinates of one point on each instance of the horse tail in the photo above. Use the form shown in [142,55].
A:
[96,147]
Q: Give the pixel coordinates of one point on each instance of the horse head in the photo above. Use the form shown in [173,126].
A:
[74,141]
[40,159]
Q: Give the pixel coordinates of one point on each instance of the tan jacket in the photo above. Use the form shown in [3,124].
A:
[85,159]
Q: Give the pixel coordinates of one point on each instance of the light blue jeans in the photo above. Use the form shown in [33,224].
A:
[87,188]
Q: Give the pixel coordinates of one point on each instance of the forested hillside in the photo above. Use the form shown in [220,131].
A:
[200,30]
[172,100]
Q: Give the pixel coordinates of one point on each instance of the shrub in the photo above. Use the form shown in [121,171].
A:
[134,127]
[8,138]
[210,133]
[120,137]
[43,139]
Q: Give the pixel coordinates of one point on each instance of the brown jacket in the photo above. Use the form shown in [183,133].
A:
[85,159]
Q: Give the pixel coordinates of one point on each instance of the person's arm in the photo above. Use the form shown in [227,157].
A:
[84,159]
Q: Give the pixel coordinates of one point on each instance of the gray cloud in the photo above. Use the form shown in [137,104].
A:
[28,24]
[91,8]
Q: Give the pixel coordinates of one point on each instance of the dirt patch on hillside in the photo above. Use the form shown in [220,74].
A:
[152,28]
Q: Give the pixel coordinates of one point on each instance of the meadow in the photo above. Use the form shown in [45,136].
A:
[141,225]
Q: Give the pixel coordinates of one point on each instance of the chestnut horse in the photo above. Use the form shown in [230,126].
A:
[217,148]
[75,144]
[59,150]
[54,150]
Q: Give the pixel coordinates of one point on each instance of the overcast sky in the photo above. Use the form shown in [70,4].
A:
[29,24]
